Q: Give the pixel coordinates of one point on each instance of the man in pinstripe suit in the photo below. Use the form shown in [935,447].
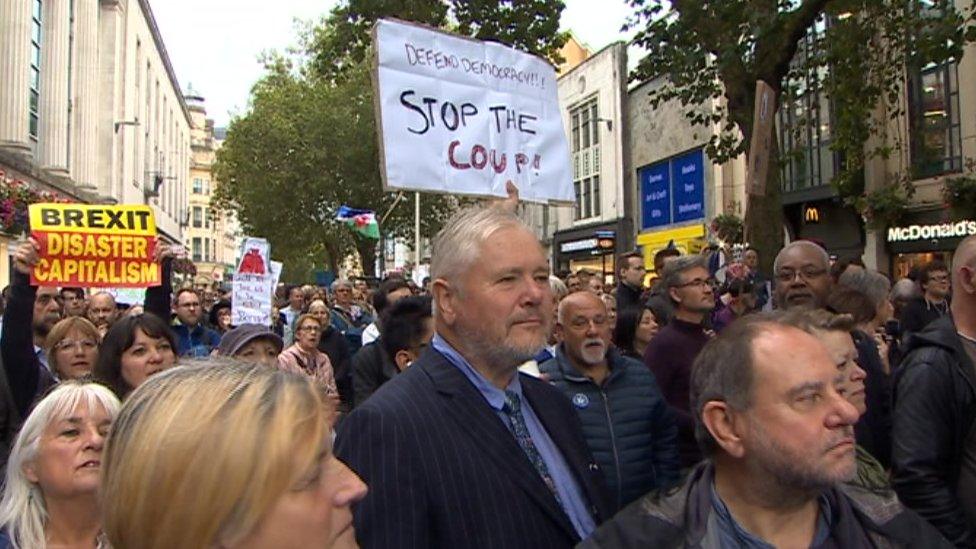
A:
[460,450]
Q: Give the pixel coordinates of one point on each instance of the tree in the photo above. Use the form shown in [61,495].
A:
[308,142]
[856,54]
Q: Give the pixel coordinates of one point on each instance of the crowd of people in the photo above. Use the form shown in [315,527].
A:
[705,404]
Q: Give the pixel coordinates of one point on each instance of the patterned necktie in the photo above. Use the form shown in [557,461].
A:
[513,409]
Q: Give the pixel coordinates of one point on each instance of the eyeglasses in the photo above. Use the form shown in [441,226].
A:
[938,278]
[83,344]
[806,273]
[699,283]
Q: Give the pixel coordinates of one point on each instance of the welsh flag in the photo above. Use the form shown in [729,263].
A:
[360,221]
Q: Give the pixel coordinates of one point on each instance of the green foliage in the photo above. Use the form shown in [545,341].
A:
[885,206]
[729,228]
[343,41]
[959,193]
[716,50]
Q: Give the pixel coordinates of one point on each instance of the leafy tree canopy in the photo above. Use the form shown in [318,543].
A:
[852,52]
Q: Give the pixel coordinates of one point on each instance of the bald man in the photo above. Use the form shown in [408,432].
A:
[802,272]
[934,443]
[626,421]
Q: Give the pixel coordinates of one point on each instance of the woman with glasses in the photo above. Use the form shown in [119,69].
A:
[305,357]
[72,348]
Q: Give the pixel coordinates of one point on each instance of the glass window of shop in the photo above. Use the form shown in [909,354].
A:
[805,120]
[903,264]
[585,146]
[934,108]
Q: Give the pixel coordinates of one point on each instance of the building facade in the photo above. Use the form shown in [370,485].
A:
[90,106]
[591,232]
[212,237]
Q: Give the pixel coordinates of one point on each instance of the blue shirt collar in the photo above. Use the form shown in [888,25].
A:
[492,394]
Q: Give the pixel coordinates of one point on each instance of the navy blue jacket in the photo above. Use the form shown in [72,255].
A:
[198,342]
[443,470]
[626,423]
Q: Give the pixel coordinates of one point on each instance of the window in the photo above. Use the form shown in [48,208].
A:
[206,187]
[35,71]
[206,249]
[934,108]
[206,218]
[196,249]
[585,146]
[197,217]
[805,121]
[197,185]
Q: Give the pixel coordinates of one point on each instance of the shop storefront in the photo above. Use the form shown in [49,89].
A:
[689,239]
[830,222]
[672,205]
[923,237]
[593,248]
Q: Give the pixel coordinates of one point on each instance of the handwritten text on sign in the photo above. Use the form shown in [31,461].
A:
[462,116]
[94,245]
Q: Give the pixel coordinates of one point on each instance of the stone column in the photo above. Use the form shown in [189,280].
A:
[52,138]
[84,145]
[15,43]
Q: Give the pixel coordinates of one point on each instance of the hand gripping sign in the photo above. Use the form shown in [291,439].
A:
[461,116]
[94,246]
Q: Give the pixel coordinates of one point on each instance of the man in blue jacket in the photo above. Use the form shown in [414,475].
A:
[626,421]
[192,337]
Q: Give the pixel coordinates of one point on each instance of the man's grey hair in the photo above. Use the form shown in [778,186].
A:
[825,257]
[340,283]
[558,287]
[676,267]
[103,294]
[458,244]
[905,289]
[872,284]
[724,370]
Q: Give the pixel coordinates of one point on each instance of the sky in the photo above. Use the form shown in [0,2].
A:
[214,45]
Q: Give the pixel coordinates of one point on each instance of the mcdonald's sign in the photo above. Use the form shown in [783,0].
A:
[811,214]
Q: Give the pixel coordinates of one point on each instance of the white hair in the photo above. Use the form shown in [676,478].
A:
[558,287]
[457,245]
[802,244]
[23,512]
[339,283]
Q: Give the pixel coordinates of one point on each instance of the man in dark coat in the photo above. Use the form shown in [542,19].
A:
[781,450]
[461,450]
[934,442]
[630,286]
[626,421]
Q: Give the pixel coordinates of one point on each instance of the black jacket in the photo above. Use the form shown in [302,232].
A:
[335,346]
[628,297]
[681,518]
[370,369]
[934,409]
[873,429]
[626,422]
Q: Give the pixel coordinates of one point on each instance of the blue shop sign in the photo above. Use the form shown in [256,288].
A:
[673,191]
[688,189]
[656,195]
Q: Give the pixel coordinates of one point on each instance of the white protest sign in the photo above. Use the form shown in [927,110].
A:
[253,285]
[127,296]
[462,116]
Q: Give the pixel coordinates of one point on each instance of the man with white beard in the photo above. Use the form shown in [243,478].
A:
[626,421]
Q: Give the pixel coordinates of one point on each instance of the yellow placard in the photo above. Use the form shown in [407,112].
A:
[93,218]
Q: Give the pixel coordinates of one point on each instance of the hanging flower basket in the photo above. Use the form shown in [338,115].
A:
[959,194]
[884,207]
[15,197]
[729,228]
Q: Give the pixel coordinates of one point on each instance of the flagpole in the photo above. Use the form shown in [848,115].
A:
[416,230]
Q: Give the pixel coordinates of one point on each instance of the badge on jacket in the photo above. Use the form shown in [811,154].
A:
[580,400]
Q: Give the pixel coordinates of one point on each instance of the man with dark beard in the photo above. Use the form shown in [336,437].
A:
[461,450]
[780,447]
[626,420]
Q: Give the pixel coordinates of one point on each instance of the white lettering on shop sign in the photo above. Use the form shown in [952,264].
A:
[958,229]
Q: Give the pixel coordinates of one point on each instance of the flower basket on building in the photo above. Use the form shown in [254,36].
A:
[729,228]
[15,197]
[883,207]
[959,194]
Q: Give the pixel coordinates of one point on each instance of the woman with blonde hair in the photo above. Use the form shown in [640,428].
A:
[72,347]
[226,454]
[50,493]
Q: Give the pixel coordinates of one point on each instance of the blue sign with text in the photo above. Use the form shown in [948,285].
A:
[656,195]
[688,187]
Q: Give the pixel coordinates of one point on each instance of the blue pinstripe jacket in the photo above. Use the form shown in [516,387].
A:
[444,471]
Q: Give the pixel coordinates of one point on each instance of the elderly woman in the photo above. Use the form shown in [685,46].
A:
[134,348]
[50,493]
[252,343]
[304,356]
[267,478]
[72,347]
